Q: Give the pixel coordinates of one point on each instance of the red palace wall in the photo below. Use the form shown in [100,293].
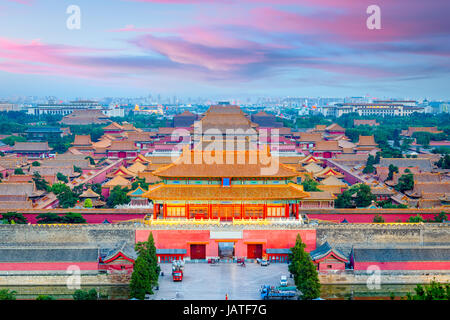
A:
[366,217]
[44,266]
[405,265]
[95,218]
[182,239]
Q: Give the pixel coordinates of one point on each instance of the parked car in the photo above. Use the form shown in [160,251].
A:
[264,263]
[283,281]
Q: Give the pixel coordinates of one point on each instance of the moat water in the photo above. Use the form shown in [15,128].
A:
[120,292]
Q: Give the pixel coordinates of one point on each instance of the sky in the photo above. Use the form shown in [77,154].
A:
[239,48]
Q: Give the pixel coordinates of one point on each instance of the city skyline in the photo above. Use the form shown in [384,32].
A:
[224,49]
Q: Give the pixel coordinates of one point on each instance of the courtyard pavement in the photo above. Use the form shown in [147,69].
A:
[204,281]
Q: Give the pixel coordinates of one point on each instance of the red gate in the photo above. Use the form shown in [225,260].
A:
[254,251]
[198,251]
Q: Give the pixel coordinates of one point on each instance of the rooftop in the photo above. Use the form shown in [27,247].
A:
[219,193]
[231,164]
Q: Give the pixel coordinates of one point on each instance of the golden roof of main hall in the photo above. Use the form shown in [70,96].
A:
[230,164]
[217,192]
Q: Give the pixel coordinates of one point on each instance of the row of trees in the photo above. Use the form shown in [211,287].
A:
[439,218]
[92,294]
[432,291]
[43,218]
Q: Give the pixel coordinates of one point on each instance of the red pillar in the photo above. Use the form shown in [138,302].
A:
[155,210]
[242,210]
[210,211]
[296,211]
[164,210]
[265,211]
[286,210]
[186,210]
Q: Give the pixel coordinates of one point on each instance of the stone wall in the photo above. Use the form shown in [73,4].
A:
[339,234]
[61,280]
[383,235]
[70,234]
[403,277]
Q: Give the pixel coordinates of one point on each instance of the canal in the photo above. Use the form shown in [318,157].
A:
[120,292]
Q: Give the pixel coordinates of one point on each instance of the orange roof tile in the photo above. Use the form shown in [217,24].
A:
[117,181]
[310,136]
[232,164]
[89,194]
[334,127]
[137,167]
[327,146]
[122,145]
[367,141]
[113,126]
[82,140]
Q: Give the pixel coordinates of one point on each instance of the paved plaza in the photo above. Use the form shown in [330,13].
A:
[203,281]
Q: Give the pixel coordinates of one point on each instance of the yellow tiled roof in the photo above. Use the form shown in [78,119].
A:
[217,192]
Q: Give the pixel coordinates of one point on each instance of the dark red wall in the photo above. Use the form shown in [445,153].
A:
[366,217]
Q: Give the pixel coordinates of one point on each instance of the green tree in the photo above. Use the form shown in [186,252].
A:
[378,219]
[77,169]
[377,158]
[416,218]
[88,203]
[6,294]
[310,185]
[36,164]
[444,162]
[73,217]
[406,143]
[18,218]
[369,168]
[305,273]
[11,140]
[45,297]
[405,182]
[146,270]
[59,187]
[67,199]
[441,217]
[85,295]
[18,171]
[344,200]
[364,196]
[389,205]
[392,169]
[91,160]
[49,217]
[62,177]
[118,196]
[41,183]
[139,283]
[432,291]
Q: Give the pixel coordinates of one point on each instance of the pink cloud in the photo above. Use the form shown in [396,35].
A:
[210,57]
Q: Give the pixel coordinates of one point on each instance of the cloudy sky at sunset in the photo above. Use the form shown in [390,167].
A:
[225,47]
